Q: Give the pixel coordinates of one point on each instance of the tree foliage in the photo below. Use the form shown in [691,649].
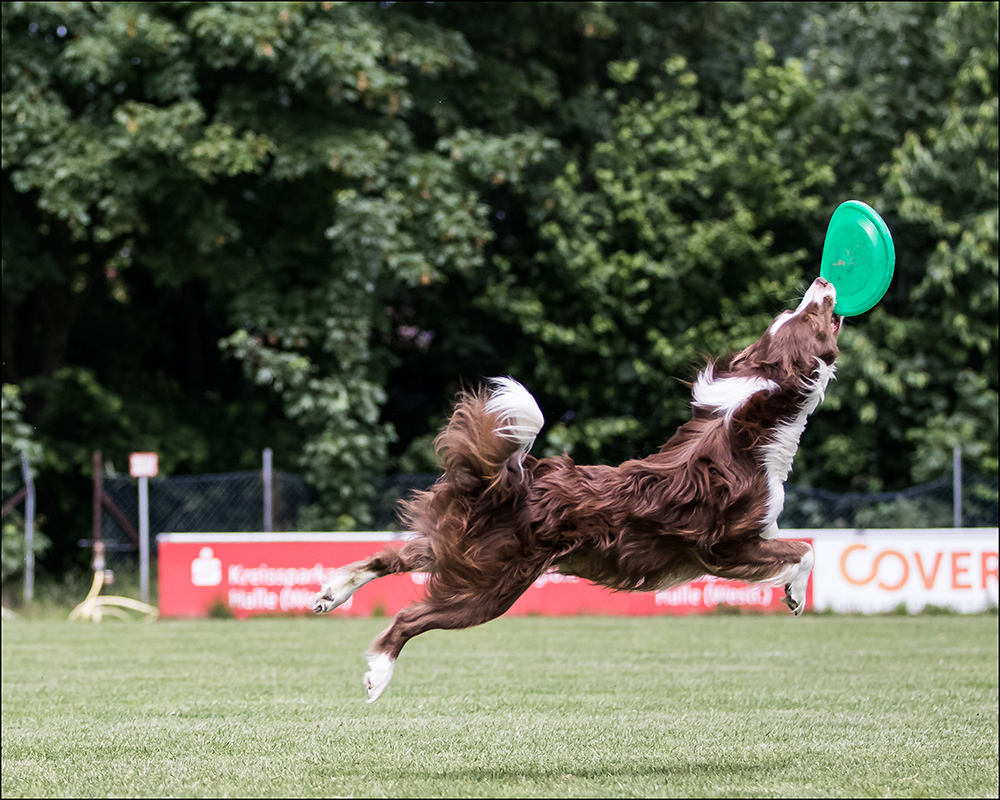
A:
[18,441]
[302,225]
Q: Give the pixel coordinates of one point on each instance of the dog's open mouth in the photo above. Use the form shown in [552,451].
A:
[837,321]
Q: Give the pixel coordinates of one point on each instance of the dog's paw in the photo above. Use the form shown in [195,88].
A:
[795,589]
[378,676]
[321,605]
[334,593]
[796,606]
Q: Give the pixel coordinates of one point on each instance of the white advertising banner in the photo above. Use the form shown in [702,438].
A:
[876,571]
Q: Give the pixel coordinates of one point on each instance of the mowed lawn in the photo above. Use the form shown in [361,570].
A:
[722,706]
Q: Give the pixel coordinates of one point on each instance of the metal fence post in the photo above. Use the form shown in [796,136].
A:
[957,489]
[29,530]
[144,539]
[268,477]
[98,500]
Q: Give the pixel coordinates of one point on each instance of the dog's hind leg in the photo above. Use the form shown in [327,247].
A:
[413,556]
[442,610]
[778,561]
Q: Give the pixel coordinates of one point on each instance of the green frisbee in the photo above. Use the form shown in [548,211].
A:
[858,257]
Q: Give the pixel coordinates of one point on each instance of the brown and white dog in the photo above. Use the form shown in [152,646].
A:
[706,504]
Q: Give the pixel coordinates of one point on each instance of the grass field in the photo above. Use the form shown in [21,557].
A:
[724,706]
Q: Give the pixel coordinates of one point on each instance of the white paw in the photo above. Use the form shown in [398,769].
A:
[321,606]
[795,591]
[336,592]
[795,604]
[378,676]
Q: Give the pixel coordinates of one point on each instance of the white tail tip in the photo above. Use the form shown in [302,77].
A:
[517,412]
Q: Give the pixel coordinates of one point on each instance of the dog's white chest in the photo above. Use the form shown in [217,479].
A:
[779,453]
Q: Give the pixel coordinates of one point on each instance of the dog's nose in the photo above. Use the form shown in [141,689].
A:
[819,291]
[823,288]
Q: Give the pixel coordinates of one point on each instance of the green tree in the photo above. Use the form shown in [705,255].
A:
[680,235]
[302,225]
[894,104]
[176,172]
[943,180]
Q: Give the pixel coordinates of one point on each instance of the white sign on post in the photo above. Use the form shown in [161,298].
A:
[144,466]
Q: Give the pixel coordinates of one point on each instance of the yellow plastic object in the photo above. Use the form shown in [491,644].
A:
[96,605]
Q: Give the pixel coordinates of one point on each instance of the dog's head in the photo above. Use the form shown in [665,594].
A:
[794,358]
[798,343]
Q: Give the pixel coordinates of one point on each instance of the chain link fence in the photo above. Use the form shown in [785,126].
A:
[930,505]
[389,491]
[235,502]
[232,501]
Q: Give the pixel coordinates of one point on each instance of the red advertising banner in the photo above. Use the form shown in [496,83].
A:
[273,573]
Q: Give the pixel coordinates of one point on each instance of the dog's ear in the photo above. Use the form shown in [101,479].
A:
[749,356]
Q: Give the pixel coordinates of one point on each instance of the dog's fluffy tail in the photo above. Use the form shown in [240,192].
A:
[481,448]
[486,429]
[520,419]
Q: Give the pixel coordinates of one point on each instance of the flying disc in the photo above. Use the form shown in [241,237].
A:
[858,257]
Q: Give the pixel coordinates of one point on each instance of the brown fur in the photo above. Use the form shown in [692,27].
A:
[497,520]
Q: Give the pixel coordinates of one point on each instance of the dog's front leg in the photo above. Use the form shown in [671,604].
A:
[781,562]
[414,556]
[795,589]
[338,590]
